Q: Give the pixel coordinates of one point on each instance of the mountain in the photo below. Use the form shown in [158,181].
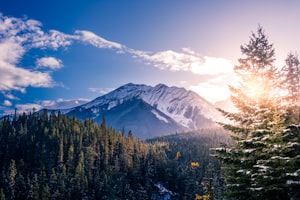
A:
[150,111]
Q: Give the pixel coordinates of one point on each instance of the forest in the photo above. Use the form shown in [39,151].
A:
[53,156]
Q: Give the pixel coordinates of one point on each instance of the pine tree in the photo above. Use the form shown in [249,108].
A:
[34,193]
[2,195]
[289,140]
[259,119]
[12,173]
[291,86]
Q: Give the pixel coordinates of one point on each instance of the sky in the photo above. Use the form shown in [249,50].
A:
[57,53]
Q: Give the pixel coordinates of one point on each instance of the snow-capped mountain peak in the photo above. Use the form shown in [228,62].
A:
[118,96]
[182,105]
[171,106]
[185,107]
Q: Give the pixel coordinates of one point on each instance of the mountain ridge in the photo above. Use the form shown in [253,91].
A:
[174,108]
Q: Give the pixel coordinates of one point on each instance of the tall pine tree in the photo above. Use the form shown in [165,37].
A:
[291,87]
[255,165]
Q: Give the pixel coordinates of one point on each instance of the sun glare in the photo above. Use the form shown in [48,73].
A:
[256,89]
[212,66]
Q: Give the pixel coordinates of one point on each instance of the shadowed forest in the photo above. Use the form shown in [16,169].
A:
[57,157]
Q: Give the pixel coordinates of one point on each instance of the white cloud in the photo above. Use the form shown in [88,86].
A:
[48,104]
[15,78]
[17,36]
[10,51]
[216,88]
[219,69]
[101,90]
[95,40]
[7,103]
[27,107]
[50,62]
[212,66]
[187,60]
[10,96]
[62,103]
[211,92]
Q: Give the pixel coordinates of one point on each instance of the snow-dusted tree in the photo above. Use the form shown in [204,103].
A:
[286,154]
[291,86]
[258,129]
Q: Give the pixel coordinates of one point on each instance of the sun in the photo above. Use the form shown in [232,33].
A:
[257,89]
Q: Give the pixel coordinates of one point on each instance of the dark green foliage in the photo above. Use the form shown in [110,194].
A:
[190,148]
[53,156]
[57,157]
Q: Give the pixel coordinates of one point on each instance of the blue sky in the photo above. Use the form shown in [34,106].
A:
[52,52]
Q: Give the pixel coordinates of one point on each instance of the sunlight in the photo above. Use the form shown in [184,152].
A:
[257,89]
[211,65]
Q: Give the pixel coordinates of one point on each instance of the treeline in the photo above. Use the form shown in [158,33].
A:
[53,156]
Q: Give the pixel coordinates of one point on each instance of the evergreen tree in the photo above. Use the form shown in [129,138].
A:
[2,195]
[12,173]
[291,86]
[20,187]
[249,168]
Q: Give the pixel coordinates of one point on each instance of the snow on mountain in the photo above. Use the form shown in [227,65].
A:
[158,116]
[185,107]
[133,114]
[182,105]
[118,96]
[140,117]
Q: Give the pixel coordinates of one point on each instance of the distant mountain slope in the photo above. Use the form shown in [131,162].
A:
[150,111]
[133,114]
[142,118]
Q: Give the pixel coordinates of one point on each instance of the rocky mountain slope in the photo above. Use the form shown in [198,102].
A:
[150,111]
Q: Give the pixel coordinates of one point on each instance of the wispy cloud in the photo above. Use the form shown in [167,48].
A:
[187,60]
[7,103]
[101,90]
[10,96]
[18,36]
[38,105]
[89,37]
[29,107]
[50,62]
[215,88]
[62,103]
